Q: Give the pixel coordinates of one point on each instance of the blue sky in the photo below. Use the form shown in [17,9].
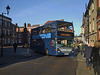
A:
[41,11]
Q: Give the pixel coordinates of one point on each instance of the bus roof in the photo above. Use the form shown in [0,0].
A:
[69,23]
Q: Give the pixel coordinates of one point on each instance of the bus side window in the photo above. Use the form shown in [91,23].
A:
[53,27]
[43,30]
[34,32]
[53,43]
[48,28]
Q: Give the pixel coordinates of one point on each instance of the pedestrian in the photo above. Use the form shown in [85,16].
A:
[96,57]
[15,46]
[83,49]
[88,55]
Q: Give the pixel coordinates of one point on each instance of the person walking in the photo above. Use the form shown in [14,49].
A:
[88,54]
[83,49]
[96,57]
[15,46]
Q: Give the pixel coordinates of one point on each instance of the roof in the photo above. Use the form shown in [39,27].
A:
[49,22]
[6,17]
[53,21]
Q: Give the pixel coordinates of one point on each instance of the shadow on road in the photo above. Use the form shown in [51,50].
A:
[9,57]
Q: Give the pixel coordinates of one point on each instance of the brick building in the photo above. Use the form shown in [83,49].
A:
[9,31]
[24,33]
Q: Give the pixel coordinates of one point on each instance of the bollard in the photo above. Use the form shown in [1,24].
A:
[27,52]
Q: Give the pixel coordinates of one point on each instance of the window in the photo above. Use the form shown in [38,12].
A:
[19,35]
[89,12]
[9,24]
[5,40]
[90,27]
[8,40]
[93,24]
[13,34]
[53,28]
[92,6]
[5,32]
[0,22]
[34,32]
[8,31]
[43,29]
[53,42]
[48,28]
[5,23]
[13,27]
[65,27]
[21,29]
[16,29]
[19,40]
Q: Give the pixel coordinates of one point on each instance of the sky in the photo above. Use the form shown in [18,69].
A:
[41,11]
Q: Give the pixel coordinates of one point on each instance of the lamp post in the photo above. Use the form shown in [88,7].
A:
[8,9]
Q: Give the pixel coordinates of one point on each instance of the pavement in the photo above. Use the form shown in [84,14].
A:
[81,66]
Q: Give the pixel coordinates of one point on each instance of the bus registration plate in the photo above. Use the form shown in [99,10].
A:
[66,53]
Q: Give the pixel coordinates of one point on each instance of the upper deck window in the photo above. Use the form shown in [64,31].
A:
[53,27]
[65,27]
[48,28]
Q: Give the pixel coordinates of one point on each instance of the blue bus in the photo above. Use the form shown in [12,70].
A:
[55,38]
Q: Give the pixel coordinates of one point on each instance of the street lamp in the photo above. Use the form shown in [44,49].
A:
[8,9]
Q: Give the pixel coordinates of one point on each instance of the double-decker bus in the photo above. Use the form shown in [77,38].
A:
[55,38]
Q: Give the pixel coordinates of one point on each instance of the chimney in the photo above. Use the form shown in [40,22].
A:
[28,25]
[16,24]
[24,25]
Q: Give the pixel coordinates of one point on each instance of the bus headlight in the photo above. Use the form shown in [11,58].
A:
[58,51]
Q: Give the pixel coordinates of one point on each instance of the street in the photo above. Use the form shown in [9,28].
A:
[39,64]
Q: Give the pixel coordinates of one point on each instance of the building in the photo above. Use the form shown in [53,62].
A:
[82,30]
[9,31]
[90,22]
[98,19]
[86,26]
[24,33]
[92,6]
[78,39]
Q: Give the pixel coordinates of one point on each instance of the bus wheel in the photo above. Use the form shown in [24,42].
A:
[47,51]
